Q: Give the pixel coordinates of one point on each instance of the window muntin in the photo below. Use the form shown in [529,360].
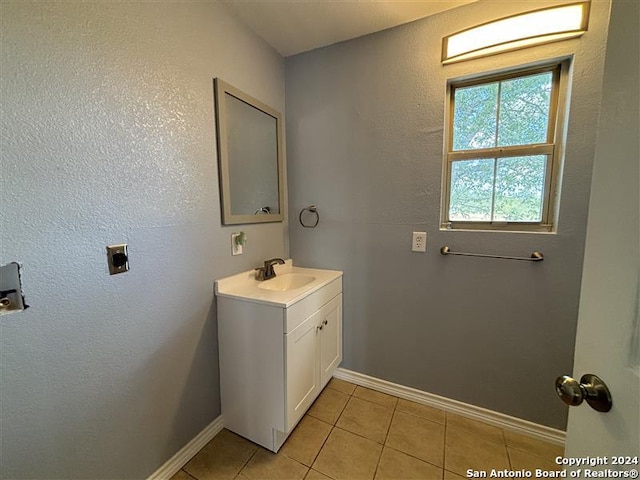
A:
[501,155]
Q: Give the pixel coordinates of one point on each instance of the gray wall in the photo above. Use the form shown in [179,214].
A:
[365,140]
[108,136]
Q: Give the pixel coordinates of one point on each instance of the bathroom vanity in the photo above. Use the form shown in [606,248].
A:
[280,340]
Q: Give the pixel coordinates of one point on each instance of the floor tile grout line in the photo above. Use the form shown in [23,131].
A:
[342,411]
[413,456]
[376,391]
[475,433]
[444,446]
[275,454]
[375,472]
[358,435]
[504,444]
[386,436]
[280,452]
[333,427]
[347,431]
[183,470]
[409,454]
[249,459]
[506,449]
[529,452]
[393,409]
[421,417]
[509,458]
[321,447]
[393,415]
[341,391]
[318,454]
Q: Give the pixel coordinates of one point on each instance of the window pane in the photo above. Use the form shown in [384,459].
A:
[471,190]
[519,189]
[524,110]
[474,118]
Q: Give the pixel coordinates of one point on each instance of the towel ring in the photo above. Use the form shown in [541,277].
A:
[310,209]
[263,210]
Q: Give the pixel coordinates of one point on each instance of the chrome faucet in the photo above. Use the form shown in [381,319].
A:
[267,272]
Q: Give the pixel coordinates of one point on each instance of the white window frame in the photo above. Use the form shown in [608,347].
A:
[553,149]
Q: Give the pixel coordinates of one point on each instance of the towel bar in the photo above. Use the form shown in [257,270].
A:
[535,256]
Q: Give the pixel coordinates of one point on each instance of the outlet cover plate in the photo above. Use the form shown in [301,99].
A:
[419,242]
[117,258]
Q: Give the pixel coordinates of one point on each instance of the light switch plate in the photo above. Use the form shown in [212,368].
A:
[11,297]
[236,246]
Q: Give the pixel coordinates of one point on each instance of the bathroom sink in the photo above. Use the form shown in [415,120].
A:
[290,285]
[286,282]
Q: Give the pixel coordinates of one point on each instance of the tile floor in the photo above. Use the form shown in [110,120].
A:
[353,433]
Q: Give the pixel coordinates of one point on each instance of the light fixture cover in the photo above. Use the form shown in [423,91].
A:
[523,30]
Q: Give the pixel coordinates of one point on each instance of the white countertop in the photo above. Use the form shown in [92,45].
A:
[244,286]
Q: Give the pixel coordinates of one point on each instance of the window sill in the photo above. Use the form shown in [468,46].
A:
[509,228]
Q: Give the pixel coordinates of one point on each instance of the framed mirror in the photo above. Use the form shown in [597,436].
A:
[249,135]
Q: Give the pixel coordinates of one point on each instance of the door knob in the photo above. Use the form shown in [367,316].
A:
[590,388]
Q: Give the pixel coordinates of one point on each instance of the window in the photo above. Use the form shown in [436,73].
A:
[503,151]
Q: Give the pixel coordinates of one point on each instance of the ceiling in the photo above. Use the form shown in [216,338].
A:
[294,26]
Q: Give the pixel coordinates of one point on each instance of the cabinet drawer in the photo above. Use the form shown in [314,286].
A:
[299,312]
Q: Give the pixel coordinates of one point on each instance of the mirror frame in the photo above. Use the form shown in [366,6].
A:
[222,88]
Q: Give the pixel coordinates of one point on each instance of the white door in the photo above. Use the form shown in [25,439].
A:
[608,336]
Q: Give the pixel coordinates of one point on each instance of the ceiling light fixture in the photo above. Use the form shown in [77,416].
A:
[519,31]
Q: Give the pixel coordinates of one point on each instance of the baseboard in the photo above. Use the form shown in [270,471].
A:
[497,419]
[186,453]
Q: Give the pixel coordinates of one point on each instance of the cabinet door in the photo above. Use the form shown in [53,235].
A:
[330,339]
[302,368]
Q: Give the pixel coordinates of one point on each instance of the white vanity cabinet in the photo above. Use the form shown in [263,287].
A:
[276,354]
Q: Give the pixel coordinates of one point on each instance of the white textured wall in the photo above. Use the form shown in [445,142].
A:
[108,136]
[365,124]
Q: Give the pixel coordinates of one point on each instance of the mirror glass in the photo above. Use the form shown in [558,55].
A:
[250,157]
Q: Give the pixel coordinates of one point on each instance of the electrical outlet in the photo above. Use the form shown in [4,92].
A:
[419,243]
[236,245]
[117,259]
